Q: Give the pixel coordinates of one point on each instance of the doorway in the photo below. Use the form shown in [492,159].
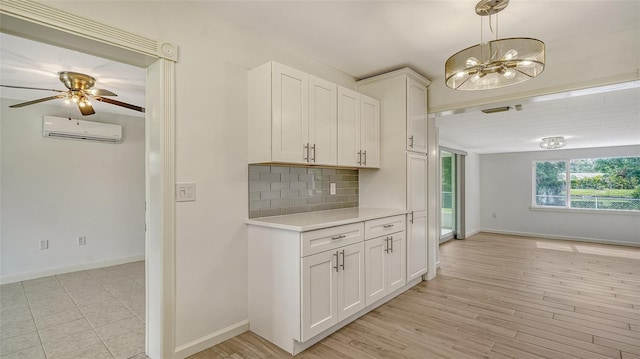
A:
[452,164]
[49,25]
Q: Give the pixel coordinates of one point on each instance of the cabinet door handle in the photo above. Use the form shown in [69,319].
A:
[336,267]
[364,153]
[338,237]
[306,150]
[360,157]
[388,225]
[342,265]
[411,141]
[386,245]
[411,220]
[391,241]
[314,153]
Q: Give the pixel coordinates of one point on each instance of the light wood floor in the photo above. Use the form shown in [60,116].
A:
[495,296]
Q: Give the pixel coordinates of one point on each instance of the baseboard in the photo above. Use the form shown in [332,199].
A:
[564,238]
[210,340]
[12,278]
[472,233]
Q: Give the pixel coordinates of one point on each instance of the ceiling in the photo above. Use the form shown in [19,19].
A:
[364,38]
[33,64]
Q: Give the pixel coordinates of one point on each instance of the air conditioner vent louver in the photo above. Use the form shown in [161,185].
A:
[64,128]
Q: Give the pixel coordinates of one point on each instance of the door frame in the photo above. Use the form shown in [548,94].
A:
[46,24]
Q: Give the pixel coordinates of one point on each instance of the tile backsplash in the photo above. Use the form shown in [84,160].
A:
[277,190]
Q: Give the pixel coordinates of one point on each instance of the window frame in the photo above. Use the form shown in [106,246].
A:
[567,207]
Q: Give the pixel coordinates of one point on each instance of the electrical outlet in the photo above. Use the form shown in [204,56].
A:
[332,188]
[185,192]
[82,240]
[44,244]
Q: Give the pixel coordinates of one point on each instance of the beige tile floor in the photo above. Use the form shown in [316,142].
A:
[91,314]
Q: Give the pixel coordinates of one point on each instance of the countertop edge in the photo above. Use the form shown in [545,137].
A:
[380,213]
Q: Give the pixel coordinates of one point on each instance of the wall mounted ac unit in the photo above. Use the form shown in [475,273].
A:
[66,128]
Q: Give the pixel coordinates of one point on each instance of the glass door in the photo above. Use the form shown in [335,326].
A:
[448,217]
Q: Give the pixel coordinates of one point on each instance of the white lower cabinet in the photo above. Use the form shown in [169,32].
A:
[385,259]
[332,288]
[305,284]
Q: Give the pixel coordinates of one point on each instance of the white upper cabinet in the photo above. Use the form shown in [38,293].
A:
[370,131]
[293,118]
[416,116]
[290,101]
[323,125]
[358,129]
[348,127]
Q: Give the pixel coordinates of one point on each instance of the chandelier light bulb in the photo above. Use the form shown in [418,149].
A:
[472,62]
[510,55]
[510,73]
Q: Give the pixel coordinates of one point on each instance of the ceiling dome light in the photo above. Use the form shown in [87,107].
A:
[497,63]
[551,143]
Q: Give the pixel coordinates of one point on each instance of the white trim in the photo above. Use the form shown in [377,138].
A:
[564,238]
[406,71]
[472,233]
[19,277]
[584,210]
[210,340]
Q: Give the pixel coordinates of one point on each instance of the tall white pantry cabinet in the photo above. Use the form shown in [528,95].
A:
[407,175]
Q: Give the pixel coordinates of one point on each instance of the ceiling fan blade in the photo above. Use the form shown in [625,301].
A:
[37,101]
[118,103]
[30,88]
[101,92]
[86,110]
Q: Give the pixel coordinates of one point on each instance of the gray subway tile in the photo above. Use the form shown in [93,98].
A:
[298,185]
[298,170]
[269,195]
[254,213]
[259,204]
[259,186]
[254,196]
[277,186]
[279,169]
[289,193]
[328,171]
[279,203]
[270,212]
[259,168]
[254,176]
[298,201]
[288,177]
[270,177]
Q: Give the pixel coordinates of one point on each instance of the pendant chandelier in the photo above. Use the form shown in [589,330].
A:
[497,63]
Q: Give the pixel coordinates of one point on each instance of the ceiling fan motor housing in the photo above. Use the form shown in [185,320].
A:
[77,81]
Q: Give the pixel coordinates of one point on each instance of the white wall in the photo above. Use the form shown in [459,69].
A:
[211,119]
[472,193]
[57,190]
[506,190]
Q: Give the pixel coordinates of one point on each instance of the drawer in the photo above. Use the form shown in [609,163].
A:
[331,238]
[380,227]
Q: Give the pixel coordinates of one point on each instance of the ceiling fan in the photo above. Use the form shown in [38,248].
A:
[80,91]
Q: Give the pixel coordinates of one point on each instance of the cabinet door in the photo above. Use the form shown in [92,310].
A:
[417,220]
[370,131]
[351,296]
[416,182]
[290,101]
[323,124]
[416,245]
[416,116]
[319,296]
[375,273]
[348,127]
[396,262]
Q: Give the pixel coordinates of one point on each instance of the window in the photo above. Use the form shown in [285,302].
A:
[594,183]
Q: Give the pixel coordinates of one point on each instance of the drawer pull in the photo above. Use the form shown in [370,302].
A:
[388,225]
[391,241]
[338,237]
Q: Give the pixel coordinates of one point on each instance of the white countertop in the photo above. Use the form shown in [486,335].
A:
[309,221]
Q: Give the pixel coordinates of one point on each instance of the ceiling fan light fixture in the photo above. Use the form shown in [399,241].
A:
[497,63]
[551,143]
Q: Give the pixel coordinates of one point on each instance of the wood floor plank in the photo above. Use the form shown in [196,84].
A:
[495,296]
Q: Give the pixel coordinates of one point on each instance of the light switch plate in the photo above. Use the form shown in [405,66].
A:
[185,192]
